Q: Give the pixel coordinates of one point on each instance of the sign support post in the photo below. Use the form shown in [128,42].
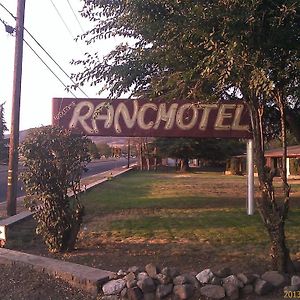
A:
[250,178]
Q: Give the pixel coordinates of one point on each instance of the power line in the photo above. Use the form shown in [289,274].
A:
[75,16]
[39,44]
[8,11]
[66,87]
[67,27]
[50,56]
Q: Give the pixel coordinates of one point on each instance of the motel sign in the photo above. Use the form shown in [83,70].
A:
[141,118]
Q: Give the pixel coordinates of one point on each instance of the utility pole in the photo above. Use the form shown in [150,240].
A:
[12,178]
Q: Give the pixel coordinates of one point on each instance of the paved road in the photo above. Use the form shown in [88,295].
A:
[94,167]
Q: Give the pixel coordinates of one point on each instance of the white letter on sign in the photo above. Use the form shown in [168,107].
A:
[237,119]
[123,110]
[167,116]
[108,117]
[141,116]
[180,113]
[82,119]
[207,108]
[223,115]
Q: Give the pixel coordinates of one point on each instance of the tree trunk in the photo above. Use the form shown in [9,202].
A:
[140,154]
[184,165]
[148,163]
[272,214]
[70,237]
[155,159]
[279,252]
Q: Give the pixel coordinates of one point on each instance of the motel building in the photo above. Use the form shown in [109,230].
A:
[236,165]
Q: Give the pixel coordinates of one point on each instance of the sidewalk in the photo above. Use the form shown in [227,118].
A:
[86,184]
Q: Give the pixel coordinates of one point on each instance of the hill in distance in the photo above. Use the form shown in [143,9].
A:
[96,139]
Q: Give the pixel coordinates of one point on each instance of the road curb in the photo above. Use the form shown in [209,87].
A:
[112,175]
[79,276]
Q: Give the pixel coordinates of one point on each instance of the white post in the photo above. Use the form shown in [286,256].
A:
[288,172]
[250,178]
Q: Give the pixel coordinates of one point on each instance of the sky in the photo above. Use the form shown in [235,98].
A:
[39,86]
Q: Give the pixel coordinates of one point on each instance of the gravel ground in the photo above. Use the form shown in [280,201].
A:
[22,283]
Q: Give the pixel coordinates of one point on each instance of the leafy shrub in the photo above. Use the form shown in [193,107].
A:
[53,160]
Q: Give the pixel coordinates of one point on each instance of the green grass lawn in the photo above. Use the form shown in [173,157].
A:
[203,209]
[192,221]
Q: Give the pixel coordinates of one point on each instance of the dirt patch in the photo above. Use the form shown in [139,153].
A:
[23,283]
[112,253]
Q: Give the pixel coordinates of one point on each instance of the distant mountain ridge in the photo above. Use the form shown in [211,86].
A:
[22,135]
[95,139]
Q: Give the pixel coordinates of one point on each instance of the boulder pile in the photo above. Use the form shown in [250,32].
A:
[153,283]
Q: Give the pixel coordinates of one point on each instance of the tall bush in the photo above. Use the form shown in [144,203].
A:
[53,161]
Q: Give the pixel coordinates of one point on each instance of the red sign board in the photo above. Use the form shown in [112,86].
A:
[141,118]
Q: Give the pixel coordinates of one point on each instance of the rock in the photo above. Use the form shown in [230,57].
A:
[205,276]
[181,279]
[297,266]
[142,275]
[247,289]
[170,271]
[149,296]
[262,287]
[164,290]
[129,277]
[191,277]
[223,272]
[135,294]
[183,291]
[233,280]
[216,281]
[213,291]
[147,285]
[291,288]
[151,270]
[113,287]
[274,277]
[246,278]
[295,280]
[163,279]
[131,283]
[231,291]
[110,297]
[123,293]
[121,273]
[134,269]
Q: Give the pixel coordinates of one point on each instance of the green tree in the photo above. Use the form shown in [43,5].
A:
[3,128]
[104,149]
[53,162]
[293,118]
[93,150]
[217,150]
[208,50]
